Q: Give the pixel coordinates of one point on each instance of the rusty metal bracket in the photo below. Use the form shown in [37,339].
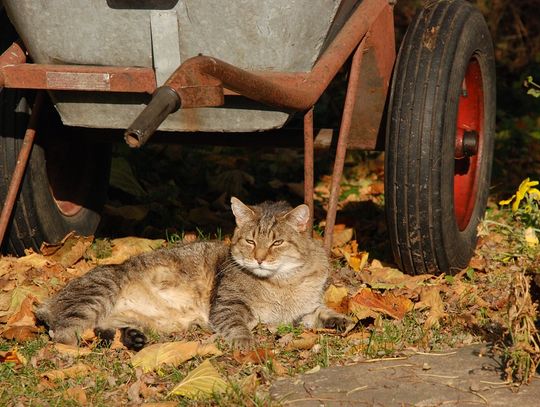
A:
[199,81]
[344,131]
[20,167]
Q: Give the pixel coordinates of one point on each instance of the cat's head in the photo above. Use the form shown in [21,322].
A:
[270,239]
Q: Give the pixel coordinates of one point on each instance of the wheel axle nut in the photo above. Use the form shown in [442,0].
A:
[467,146]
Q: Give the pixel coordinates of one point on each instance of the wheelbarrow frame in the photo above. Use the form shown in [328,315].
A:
[204,81]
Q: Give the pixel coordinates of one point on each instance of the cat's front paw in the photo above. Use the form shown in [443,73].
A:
[338,322]
[242,341]
[133,339]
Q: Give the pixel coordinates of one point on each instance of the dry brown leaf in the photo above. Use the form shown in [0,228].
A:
[388,278]
[161,404]
[257,356]
[69,251]
[79,369]
[78,395]
[12,356]
[250,384]
[306,341]
[336,298]
[17,296]
[341,235]
[389,303]
[278,368]
[71,350]
[126,247]
[25,315]
[430,297]
[172,353]
[478,263]
[20,333]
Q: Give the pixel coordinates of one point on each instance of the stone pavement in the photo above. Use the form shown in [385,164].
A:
[469,376]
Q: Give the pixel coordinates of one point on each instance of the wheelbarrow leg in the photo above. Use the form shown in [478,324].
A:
[20,167]
[343,139]
[308,164]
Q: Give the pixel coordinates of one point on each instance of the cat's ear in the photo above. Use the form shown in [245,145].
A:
[298,217]
[241,211]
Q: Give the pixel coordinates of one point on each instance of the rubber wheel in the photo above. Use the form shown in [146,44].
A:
[439,141]
[65,184]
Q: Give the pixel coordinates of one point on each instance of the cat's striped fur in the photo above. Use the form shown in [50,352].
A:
[273,272]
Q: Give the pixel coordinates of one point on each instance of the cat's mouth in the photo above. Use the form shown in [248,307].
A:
[260,270]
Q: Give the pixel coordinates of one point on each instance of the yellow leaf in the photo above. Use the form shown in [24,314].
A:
[12,356]
[126,247]
[203,381]
[172,353]
[356,261]
[530,237]
[334,296]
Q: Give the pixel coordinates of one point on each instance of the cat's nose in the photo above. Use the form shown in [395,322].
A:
[260,261]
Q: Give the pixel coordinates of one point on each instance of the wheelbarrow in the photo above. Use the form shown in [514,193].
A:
[215,71]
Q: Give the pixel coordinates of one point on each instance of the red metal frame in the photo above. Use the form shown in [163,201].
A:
[203,81]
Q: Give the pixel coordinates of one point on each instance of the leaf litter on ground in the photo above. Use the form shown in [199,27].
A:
[378,295]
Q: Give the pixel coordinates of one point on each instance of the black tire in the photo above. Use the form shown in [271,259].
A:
[65,183]
[436,193]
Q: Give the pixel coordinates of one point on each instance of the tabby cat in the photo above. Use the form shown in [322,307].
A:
[273,272]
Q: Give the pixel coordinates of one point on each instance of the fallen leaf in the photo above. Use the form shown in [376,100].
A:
[203,381]
[161,404]
[430,297]
[249,384]
[257,356]
[389,278]
[12,356]
[306,341]
[78,395]
[313,370]
[18,295]
[172,353]
[336,298]
[126,247]
[25,315]
[71,350]
[356,261]
[389,303]
[69,251]
[341,236]
[278,368]
[79,369]
[134,392]
[20,333]
[530,237]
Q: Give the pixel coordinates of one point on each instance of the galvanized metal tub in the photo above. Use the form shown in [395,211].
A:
[281,35]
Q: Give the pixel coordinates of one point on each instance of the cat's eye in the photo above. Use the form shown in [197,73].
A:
[277,242]
[249,241]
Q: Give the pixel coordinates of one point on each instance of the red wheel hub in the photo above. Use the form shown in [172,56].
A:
[468,148]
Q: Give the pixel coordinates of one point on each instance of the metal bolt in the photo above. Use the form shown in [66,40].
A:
[470,143]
